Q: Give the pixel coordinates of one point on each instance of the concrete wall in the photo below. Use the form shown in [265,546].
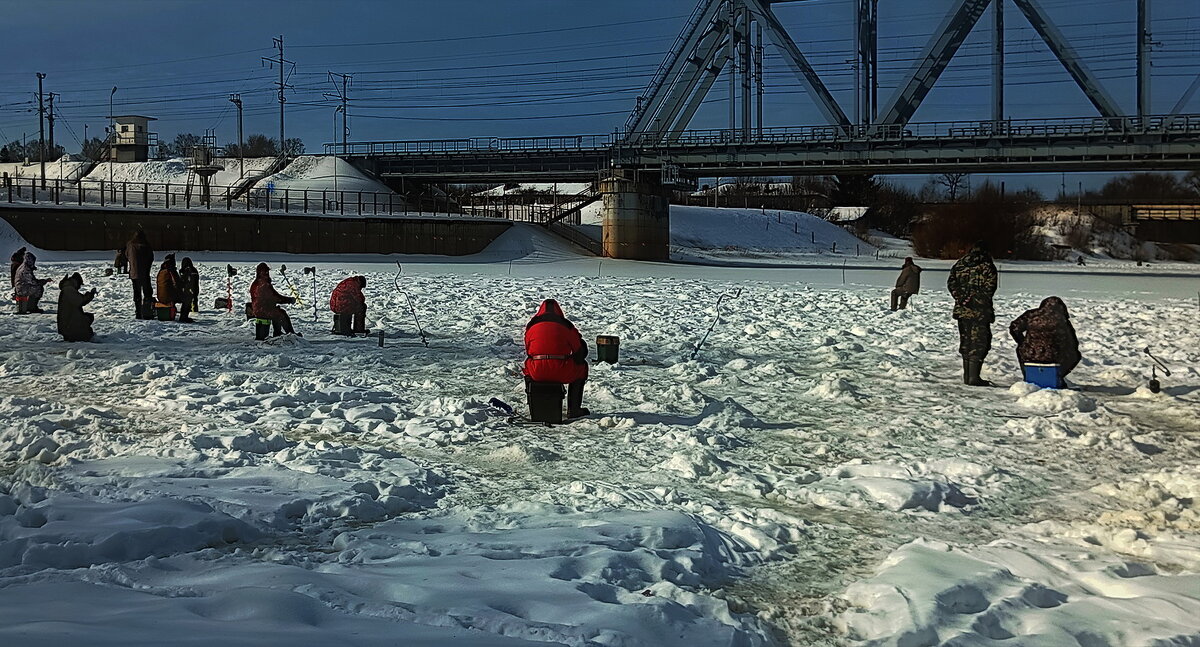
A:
[636,217]
[72,229]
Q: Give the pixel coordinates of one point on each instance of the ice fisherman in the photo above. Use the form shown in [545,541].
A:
[171,289]
[972,283]
[907,284]
[121,262]
[141,259]
[27,287]
[348,299]
[1045,335]
[191,282]
[13,263]
[73,323]
[556,353]
[265,301]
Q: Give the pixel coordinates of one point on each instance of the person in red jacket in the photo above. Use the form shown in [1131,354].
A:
[265,301]
[555,352]
[348,299]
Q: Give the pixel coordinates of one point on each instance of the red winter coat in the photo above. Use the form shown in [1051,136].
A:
[554,349]
[264,300]
[347,297]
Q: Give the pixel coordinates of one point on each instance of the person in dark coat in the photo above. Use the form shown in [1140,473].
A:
[73,323]
[972,283]
[908,284]
[1045,335]
[171,290]
[265,300]
[141,259]
[13,263]
[191,282]
[348,299]
[28,288]
[121,262]
[555,352]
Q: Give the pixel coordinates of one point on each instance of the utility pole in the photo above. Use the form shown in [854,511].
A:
[1144,43]
[343,94]
[41,129]
[998,62]
[281,61]
[237,101]
[50,117]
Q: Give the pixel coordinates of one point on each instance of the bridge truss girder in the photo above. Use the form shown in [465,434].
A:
[720,33]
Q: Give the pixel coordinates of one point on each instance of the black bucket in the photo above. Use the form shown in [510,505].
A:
[342,324]
[608,348]
[545,401]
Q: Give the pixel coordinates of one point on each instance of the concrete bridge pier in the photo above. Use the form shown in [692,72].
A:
[636,216]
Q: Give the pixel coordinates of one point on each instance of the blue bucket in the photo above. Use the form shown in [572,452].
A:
[1043,375]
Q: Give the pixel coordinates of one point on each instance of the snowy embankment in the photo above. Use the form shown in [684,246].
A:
[63,169]
[815,475]
[175,172]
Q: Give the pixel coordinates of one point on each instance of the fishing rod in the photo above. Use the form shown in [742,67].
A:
[716,320]
[411,308]
[1156,363]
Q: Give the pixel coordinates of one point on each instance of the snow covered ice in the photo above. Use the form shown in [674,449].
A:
[816,475]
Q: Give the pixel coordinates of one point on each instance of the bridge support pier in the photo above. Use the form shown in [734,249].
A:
[636,216]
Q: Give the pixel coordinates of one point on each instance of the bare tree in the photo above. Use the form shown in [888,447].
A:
[953,184]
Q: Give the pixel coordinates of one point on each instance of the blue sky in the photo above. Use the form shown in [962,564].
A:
[458,68]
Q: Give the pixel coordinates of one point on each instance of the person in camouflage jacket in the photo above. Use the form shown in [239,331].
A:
[972,283]
[1045,335]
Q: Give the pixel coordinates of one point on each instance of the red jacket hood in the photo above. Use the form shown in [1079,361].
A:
[550,307]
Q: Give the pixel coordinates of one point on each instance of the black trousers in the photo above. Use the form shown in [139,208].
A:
[900,297]
[142,293]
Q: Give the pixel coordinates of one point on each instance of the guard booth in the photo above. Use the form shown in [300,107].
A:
[131,138]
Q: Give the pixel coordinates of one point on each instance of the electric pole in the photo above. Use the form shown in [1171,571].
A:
[50,118]
[343,94]
[41,129]
[237,101]
[281,61]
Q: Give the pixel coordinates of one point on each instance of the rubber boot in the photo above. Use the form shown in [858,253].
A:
[31,306]
[966,371]
[575,407]
[893,302]
[974,367]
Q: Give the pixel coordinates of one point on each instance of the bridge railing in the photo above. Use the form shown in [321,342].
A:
[1008,129]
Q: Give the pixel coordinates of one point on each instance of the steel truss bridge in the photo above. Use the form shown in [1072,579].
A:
[725,40]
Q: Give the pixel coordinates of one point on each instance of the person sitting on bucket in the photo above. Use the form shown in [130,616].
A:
[14,263]
[28,288]
[73,323]
[556,353]
[1045,335]
[348,299]
[171,290]
[265,301]
[908,283]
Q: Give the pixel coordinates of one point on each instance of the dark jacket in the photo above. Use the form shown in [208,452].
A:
[264,300]
[190,277]
[972,283]
[170,288]
[73,323]
[909,281]
[27,284]
[121,261]
[348,297]
[15,262]
[1045,335]
[554,349]
[141,257]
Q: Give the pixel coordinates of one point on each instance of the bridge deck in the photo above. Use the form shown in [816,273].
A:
[1033,145]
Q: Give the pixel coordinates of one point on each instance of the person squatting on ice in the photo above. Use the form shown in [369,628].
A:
[171,290]
[73,323]
[141,258]
[265,301]
[348,299]
[972,283]
[556,353]
[13,263]
[908,284]
[121,262]
[28,288]
[1045,335]
[191,282]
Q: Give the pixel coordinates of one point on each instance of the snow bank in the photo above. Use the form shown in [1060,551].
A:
[64,169]
[703,233]
[175,171]
[321,173]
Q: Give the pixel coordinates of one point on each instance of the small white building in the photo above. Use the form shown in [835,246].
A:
[131,139]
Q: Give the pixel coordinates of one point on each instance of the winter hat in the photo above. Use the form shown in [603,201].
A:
[908,260]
